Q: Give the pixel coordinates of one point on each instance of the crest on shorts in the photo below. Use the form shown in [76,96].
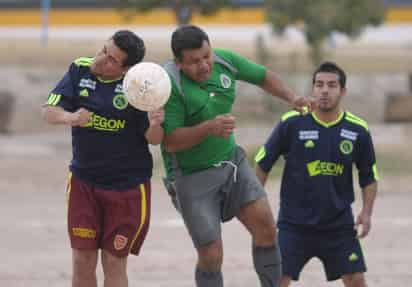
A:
[346,147]
[225,81]
[119,242]
[120,102]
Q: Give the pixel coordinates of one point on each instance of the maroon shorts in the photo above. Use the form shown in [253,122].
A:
[116,221]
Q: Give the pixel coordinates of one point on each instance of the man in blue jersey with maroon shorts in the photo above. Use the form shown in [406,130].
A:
[315,216]
[108,190]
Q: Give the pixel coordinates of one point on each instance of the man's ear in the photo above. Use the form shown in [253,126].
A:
[125,69]
[343,92]
[178,63]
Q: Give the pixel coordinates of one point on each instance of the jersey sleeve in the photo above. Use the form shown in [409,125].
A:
[174,111]
[273,148]
[366,162]
[248,71]
[143,119]
[64,92]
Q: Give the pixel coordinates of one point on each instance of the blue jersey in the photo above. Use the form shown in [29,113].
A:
[317,182]
[111,151]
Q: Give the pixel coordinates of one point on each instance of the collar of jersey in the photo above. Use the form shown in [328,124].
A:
[108,81]
[328,125]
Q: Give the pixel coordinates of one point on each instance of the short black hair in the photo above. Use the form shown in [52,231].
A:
[187,37]
[330,67]
[131,44]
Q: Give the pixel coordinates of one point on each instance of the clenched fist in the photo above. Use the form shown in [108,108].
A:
[156,117]
[223,125]
[79,118]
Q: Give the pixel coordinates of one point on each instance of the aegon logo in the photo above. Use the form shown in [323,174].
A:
[318,167]
[101,123]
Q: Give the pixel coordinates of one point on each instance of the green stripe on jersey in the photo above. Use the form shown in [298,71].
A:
[356,120]
[261,154]
[84,61]
[51,99]
[57,100]
[54,99]
[289,115]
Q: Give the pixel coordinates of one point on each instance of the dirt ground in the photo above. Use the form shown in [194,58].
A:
[35,250]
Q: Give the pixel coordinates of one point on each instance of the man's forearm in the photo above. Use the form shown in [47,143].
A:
[187,137]
[55,115]
[261,175]
[368,197]
[275,86]
[154,135]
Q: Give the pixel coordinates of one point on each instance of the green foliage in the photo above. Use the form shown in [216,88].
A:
[183,9]
[142,5]
[318,18]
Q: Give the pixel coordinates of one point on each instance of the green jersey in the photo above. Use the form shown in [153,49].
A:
[192,103]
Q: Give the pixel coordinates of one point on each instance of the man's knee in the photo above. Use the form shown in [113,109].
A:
[285,281]
[258,219]
[84,261]
[112,264]
[267,231]
[211,256]
[354,280]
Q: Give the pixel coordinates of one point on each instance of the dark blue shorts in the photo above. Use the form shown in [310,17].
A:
[339,251]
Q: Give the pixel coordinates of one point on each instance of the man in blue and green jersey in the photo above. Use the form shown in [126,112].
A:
[108,189]
[315,216]
[207,173]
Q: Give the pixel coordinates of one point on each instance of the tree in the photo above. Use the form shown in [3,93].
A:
[319,18]
[183,9]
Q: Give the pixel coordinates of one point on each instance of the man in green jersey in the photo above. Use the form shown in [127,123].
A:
[208,176]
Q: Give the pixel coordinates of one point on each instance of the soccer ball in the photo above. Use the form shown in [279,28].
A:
[147,86]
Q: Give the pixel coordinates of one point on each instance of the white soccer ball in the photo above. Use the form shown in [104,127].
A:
[147,86]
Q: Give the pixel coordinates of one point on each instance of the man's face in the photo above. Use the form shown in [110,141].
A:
[327,91]
[108,63]
[197,63]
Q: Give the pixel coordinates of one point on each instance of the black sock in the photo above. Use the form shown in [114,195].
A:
[208,278]
[267,262]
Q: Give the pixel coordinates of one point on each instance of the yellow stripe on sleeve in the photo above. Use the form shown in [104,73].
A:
[54,99]
[51,98]
[57,100]
[261,154]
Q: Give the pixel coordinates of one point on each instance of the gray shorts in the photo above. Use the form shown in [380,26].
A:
[209,197]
